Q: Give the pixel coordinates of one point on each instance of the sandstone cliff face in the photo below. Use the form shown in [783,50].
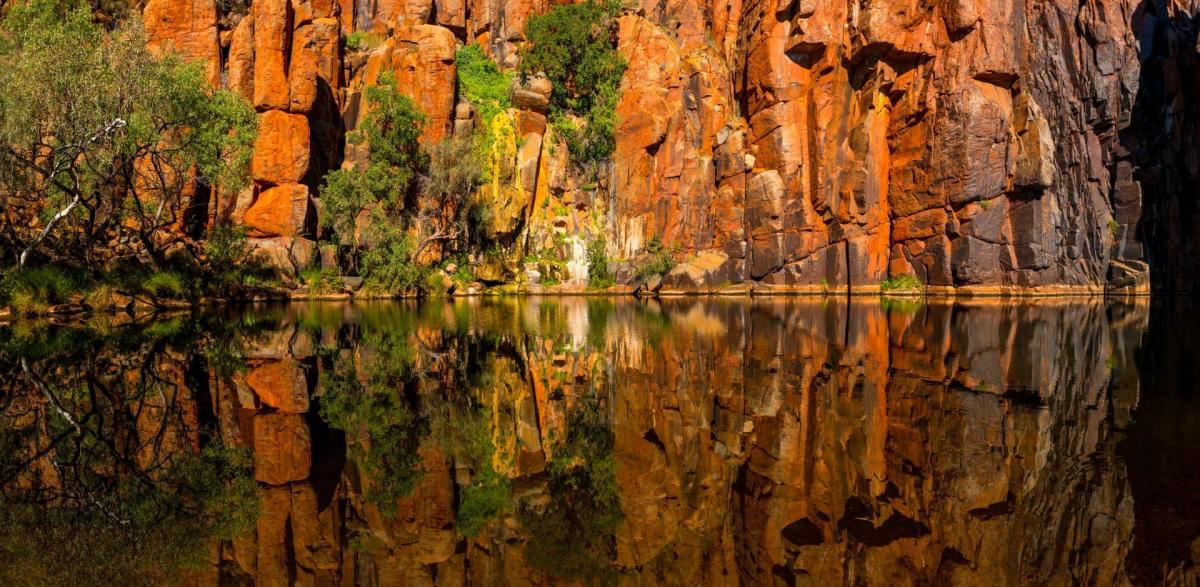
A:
[788,143]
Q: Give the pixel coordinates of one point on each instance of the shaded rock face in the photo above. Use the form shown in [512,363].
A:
[684,443]
[970,143]
[1156,206]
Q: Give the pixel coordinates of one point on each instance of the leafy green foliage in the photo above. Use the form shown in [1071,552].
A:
[383,429]
[463,275]
[660,263]
[362,41]
[575,46]
[348,192]
[129,504]
[901,282]
[321,280]
[480,502]
[901,305]
[166,526]
[388,264]
[450,184]
[573,534]
[164,284]
[595,140]
[95,122]
[391,129]
[35,287]
[599,277]
[230,263]
[469,439]
[482,83]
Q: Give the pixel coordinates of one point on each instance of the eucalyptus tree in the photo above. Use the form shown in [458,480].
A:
[102,141]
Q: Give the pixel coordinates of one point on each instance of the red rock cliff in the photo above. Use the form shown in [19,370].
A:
[790,144]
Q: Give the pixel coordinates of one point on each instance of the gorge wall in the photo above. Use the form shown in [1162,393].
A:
[777,144]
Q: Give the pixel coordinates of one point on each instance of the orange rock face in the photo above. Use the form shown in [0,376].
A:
[810,143]
[281,385]
[282,448]
[273,21]
[281,151]
[188,29]
[421,57]
[284,210]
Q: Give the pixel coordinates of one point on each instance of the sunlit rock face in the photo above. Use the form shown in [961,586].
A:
[597,441]
[970,143]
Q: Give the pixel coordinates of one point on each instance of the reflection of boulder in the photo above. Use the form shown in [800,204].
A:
[282,448]
[280,384]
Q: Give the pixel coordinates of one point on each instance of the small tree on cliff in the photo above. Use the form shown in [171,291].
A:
[575,46]
[101,141]
[390,130]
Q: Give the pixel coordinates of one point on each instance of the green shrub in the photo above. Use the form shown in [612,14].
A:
[230,262]
[463,274]
[389,265]
[661,262]
[75,92]
[165,284]
[454,174]
[599,277]
[321,280]
[392,129]
[481,501]
[32,289]
[901,282]
[362,41]
[482,83]
[575,46]
[347,192]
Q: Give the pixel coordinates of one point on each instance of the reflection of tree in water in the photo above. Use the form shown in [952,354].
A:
[404,392]
[572,536]
[107,472]
[474,421]
[367,395]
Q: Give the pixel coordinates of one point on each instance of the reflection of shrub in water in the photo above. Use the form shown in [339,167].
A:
[110,525]
[573,536]
[901,305]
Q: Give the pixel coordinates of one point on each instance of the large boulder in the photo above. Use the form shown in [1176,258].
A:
[281,150]
[531,93]
[280,384]
[284,210]
[706,272]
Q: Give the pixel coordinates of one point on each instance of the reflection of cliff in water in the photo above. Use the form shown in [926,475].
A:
[607,442]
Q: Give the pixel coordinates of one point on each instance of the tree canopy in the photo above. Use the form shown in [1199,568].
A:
[102,142]
[574,45]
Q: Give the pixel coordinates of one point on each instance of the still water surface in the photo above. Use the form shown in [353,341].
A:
[607,442]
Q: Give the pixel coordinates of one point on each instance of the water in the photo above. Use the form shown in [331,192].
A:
[606,441]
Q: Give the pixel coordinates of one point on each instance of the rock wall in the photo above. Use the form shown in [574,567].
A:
[975,144]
